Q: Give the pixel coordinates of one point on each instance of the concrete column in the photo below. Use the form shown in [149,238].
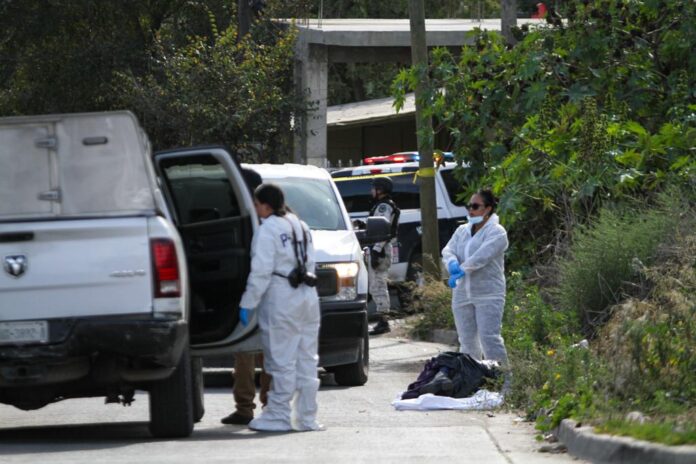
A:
[312,81]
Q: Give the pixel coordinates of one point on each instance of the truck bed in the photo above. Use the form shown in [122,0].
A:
[75,268]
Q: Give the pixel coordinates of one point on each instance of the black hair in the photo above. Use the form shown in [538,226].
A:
[488,198]
[252,179]
[271,195]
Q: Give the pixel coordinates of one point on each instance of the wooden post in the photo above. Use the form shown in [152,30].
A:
[508,19]
[424,126]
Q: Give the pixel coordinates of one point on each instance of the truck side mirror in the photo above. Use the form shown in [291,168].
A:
[378,229]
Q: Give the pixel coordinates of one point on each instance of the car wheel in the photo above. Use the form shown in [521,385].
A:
[198,389]
[171,402]
[355,374]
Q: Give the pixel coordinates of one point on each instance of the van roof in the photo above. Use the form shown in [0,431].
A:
[269,171]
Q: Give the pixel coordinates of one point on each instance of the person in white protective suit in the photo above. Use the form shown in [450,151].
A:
[281,289]
[474,257]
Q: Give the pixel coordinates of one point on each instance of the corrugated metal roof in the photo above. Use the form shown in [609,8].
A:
[368,111]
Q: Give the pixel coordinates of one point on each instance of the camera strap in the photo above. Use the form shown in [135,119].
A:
[300,250]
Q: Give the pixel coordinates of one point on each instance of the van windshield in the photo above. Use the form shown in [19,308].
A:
[358,198]
[314,201]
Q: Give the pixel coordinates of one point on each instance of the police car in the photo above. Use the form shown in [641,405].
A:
[354,185]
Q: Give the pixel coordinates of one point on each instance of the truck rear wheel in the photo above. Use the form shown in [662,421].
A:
[171,402]
[355,374]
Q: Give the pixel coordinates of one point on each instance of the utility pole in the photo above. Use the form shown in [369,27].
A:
[424,127]
[508,19]
[243,18]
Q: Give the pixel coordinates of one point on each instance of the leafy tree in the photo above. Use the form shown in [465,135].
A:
[239,94]
[599,109]
[170,61]
[60,55]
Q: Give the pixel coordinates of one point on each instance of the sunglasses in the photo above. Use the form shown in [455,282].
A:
[474,206]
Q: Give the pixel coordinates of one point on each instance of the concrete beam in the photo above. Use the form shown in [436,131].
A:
[395,32]
[369,55]
[376,55]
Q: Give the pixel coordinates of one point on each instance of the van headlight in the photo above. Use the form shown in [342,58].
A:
[346,280]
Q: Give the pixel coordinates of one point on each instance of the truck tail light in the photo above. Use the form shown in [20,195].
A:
[165,269]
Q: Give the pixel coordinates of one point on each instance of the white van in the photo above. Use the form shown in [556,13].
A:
[311,193]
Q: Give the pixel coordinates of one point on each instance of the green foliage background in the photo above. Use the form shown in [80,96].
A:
[175,63]
[598,110]
[587,131]
[640,358]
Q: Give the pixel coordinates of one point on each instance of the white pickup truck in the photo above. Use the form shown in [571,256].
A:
[120,273]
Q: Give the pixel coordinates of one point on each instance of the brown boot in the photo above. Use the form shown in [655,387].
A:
[236,419]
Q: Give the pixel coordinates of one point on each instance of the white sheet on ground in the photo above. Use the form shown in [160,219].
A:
[481,400]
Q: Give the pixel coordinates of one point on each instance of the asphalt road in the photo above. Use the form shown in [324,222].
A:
[361,426]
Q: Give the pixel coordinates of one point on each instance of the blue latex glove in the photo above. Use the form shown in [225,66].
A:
[244,316]
[453,267]
[452,282]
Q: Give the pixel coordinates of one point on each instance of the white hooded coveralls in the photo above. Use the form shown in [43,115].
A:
[289,323]
[479,297]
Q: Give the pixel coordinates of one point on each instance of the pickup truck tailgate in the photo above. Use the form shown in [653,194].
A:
[75,268]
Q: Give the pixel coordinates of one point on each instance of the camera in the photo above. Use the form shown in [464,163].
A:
[309,279]
[299,276]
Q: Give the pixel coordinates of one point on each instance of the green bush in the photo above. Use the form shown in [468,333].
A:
[605,259]
[434,302]
[574,117]
[644,357]
[529,321]
[649,343]
[533,331]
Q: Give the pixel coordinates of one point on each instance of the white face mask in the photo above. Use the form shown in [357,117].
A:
[475,219]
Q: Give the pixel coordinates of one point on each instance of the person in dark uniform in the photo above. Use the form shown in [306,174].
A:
[381,253]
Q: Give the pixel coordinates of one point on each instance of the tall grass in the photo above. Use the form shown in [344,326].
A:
[606,257]
[631,279]
[433,301]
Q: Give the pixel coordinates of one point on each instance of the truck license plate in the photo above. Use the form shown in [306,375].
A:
[24,332]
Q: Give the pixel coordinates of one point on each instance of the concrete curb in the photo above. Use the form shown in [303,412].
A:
[584,443]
